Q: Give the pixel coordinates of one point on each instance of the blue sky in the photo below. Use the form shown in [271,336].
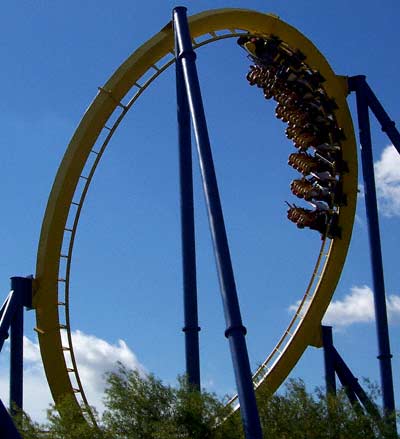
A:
[126,279]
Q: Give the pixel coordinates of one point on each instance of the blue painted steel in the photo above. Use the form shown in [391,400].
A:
[388,125]
[7,427]
[235,331]
[191,328]
[22,288]
[359,85]
[11,316]
[334,363]
[6,313]
[352,386]
[327,342]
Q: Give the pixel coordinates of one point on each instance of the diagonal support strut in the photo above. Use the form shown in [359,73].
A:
[235,330]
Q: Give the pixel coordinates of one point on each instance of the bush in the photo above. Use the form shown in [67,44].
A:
[142,407]
[298,414]
[139,407]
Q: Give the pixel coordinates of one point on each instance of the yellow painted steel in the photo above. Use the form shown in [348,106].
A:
[55,219]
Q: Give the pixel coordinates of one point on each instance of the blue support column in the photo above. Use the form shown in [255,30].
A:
[352,386]
[327,342]
[388,125]
[235,331]
[6,314]
[22,290]
[191,328]
[7,427]
[358,85]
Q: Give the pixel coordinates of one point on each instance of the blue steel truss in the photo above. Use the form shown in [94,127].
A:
[190,100]
[189,103]
[11,318]
[366,101]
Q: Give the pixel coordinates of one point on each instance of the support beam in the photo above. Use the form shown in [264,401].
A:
[358,84]
[191,328]
[6,314]
[7,427]
[22,293]
[387,124]
[327,342]
[350,382]
[235,331]
[334,363]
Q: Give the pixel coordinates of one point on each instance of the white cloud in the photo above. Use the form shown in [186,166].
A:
[387,179]
[31,351]
[94,356]
[36,391]
[358,307]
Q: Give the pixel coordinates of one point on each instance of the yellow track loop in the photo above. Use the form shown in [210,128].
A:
[304,329]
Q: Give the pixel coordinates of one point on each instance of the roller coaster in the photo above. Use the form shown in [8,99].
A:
[310,98]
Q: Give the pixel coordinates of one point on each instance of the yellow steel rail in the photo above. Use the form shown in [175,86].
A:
[79,164]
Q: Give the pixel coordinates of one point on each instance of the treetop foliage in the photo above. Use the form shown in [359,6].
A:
[143,407]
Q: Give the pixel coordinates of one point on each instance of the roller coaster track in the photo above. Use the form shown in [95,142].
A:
[84,152]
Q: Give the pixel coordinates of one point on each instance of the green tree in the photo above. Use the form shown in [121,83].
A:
[64,421]
[298,414]
[28,428]
[137,406]
[143,407]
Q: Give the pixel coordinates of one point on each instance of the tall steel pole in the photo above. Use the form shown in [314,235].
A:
[388,125]
[359,86]
[7,427]
[191,328]
[22,295]
[235,331]
[16,347]
[327,343]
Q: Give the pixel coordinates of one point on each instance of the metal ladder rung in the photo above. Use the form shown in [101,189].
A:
[65,348]
[68,229]
[61,303]
[84,177]
[75,390]
[70,370]
[62,326]
[119,103]
[64,256]
[94,152]
[75,203]
[61,279]
[38,330]
[107,128]
[155,68]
